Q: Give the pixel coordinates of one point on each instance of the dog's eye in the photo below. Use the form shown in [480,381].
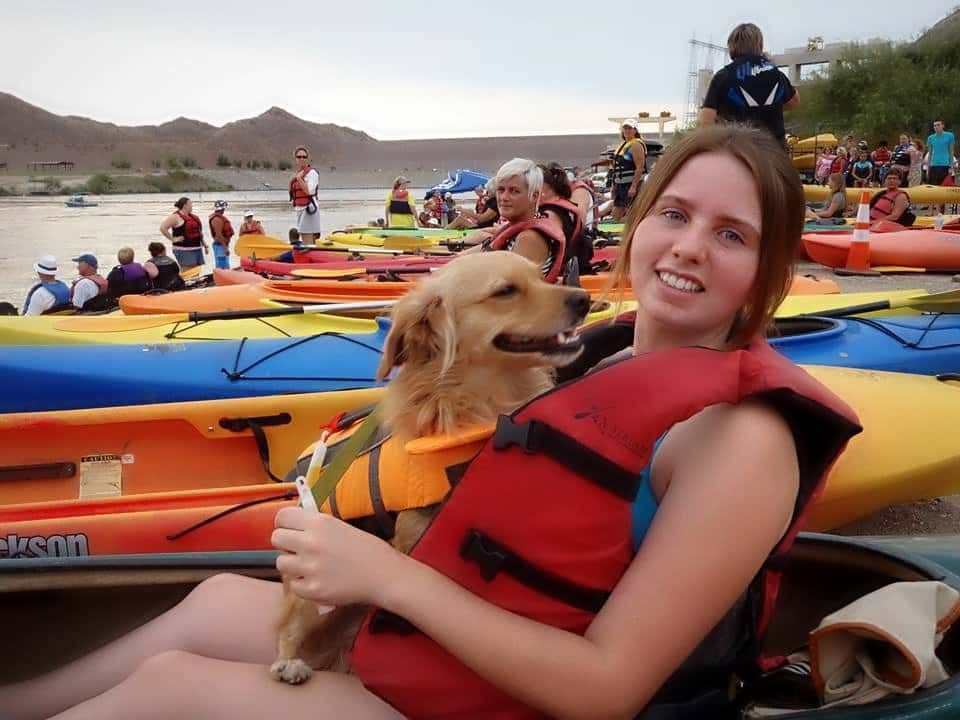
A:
[505,291]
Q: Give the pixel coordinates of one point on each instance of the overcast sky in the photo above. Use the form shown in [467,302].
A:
[403,69]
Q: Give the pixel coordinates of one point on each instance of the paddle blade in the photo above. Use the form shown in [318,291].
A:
[263,246]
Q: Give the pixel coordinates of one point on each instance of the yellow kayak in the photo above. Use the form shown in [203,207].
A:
[924,221]
[919,194]
[811,304]
[135,329]
[915,457]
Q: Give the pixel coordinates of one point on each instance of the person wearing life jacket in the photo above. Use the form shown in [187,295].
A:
[163,270]
[401,210]
[48,294]
[627,168]
[485,214]
[222,231]
[556,204]
[304,189]
[89,292]
[519,183]
[751,89]
[892,204]
[613,550]
[881,158]
[129,277]
[250,226]
[185,232]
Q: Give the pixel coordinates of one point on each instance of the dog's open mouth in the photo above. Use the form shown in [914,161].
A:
[567,341]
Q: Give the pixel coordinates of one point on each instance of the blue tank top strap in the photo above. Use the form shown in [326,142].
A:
[645,505]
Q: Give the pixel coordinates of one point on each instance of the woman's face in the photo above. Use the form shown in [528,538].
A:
[188,207]
[904,140]
[513,198]
[694,258]
[892,181]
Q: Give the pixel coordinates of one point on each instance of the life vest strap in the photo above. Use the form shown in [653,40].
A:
[535,436]
[494,558]
[384,519]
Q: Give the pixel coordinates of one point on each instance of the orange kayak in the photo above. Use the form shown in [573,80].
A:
[930,249]
[245,296]
[165,447]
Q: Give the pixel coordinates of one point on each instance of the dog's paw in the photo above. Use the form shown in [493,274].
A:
[294,671]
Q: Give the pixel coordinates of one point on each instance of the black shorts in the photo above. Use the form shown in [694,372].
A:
[621,198]
[937,174]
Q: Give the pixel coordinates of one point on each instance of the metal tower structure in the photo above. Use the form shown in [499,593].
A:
[704,56]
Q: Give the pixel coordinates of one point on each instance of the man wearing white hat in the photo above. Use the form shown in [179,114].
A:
[49,292]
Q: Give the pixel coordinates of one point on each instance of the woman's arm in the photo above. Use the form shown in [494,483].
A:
[730,498]
[151,269]
[582,199]
[899,207]
[829,211]
[532,245]
[168,224]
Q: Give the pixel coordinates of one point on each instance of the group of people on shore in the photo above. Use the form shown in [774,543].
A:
[184,230]
[933,162]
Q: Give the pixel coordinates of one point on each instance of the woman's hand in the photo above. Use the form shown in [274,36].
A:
[632,192]
[331,562]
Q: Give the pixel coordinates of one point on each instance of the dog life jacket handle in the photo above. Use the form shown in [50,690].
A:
[326,485]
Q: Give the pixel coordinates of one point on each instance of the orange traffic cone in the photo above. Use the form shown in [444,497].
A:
[858,257]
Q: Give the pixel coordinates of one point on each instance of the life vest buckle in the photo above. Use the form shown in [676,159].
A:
[510,433]
[490,560]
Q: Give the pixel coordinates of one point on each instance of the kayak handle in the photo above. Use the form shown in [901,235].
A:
[852,310]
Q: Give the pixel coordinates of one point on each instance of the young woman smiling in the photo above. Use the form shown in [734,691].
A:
[718,497]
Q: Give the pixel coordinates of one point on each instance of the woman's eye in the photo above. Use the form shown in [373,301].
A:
[673,215]
[505,291]
[731,236]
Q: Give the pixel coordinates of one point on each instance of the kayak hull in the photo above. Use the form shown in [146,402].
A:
[75,377]
[919,194]
[163,447]
[925,344]
[930,249]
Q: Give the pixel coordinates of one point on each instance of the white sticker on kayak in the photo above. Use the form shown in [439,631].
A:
[100,476]
[127,459]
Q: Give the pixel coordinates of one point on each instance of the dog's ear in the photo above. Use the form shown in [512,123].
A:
[422,330]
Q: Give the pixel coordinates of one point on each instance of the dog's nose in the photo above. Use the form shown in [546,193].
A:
[579,302]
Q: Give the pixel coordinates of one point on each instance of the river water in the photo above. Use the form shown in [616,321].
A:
[34,226]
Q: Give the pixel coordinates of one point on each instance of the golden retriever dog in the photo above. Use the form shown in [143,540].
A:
[475,340]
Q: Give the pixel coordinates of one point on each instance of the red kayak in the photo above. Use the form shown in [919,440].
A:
[275,267]
[920,248]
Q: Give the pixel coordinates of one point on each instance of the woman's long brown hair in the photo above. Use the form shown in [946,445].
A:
[781,208]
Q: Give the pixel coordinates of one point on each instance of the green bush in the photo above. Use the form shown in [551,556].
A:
[238,163]
[120,163]
[223,160]
[100,184]
[173,163]
[188,162]
[255,165]
[283,165]
[267,165]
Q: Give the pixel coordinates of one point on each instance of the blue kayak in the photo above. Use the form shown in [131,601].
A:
[54,377]
[921,344]
[459,182]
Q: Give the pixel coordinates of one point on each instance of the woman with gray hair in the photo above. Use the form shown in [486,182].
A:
[751,89]
[518,186]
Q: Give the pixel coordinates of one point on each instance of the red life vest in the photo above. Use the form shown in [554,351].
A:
[297,196]
[251,229]
[882,203]
[573,225]
[226,230]
[540,522]
[550,232]
[838,165]
[99,280]
[191,231]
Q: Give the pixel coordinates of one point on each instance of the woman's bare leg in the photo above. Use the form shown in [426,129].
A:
[176,685]
[226,616]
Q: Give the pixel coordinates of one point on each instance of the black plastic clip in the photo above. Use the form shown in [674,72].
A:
[476,548]
[510,433]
